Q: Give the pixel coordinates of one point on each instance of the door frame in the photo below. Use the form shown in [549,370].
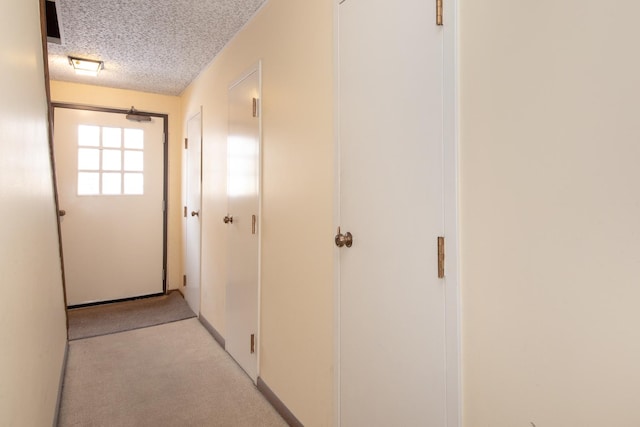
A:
[165,183]
[450,207]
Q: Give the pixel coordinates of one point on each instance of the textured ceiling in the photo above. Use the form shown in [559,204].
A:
[155,46]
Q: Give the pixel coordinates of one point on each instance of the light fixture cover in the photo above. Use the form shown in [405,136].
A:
[86,67]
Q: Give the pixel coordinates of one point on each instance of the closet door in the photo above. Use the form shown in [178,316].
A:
[192,212]
[392,302]
[243,196]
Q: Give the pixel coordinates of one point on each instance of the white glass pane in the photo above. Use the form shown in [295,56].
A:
[112,137]
[89,136]
[88,183]
[88,159]
[133,183]
[111,183]
[111,160]
[133,161]
[134,138]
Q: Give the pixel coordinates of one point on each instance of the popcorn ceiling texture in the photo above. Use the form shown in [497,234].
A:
[156,46]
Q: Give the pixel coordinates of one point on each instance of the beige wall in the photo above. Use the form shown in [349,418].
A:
[550,144]
[163,104]
[294,41]
[32,317]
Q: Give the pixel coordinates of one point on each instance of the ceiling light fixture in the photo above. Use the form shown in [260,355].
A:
[86,67]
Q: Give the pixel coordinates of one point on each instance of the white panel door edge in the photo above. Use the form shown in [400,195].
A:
[451,230]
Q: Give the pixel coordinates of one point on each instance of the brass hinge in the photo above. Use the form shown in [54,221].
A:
[185,212]
[441,257]
[184,280]
[186,143]
[439,12]
[253,343]
[255,107]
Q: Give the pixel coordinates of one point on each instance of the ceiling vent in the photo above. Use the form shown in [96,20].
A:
[53,25]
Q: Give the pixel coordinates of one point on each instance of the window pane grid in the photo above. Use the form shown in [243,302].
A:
[110,161]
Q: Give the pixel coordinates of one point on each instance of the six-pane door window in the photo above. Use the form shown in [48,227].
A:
[110,161]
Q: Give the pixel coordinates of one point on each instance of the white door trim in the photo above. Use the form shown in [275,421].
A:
[451,215]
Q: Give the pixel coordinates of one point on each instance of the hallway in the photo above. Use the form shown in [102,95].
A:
[173,374]
[542,252]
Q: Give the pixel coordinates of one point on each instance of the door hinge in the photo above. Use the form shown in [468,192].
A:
[185,212]
[439,12]
[255,107]
[441,257]
[186,143]
[184,280]
[164,275]
[253,343]
[164,205]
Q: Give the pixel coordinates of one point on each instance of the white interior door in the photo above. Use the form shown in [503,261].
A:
[392,331]
[243,191]
[110,184]
[192,212]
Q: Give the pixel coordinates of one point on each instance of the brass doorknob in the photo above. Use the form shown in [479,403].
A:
[345,239]
[195,213]
[228,219]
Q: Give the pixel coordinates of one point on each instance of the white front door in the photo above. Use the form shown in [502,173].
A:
[192,212]
[110,185]
[392,303]
[243,191]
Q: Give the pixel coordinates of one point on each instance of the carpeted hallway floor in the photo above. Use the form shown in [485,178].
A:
[173,374]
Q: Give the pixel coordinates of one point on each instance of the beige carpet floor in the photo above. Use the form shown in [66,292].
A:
[173,374]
